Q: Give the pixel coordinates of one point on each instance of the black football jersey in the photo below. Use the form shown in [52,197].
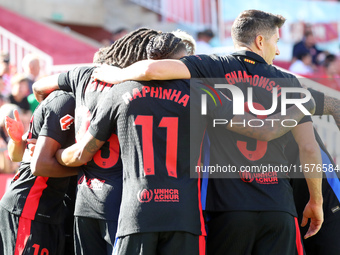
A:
[160,142]
[100,180]
[36,197]
[248,188]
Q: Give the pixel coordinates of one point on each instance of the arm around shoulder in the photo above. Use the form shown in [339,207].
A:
[145,70]
[81,152]
[43,87]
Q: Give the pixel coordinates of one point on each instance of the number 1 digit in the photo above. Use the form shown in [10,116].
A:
[171,124]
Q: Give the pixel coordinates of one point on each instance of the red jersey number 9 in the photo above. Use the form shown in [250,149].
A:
[261,146]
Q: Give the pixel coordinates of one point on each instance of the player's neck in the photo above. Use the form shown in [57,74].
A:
[247,48]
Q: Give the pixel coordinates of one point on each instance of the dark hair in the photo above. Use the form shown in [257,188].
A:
[164,45]
[308,33]
[328,60]
[303,54]
[100,55]
[251,23]
[207,32]
[130,48]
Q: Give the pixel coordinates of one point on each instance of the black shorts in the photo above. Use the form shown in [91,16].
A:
[94,236]
[326,241]
[256,233]
[160,243]
[21,236]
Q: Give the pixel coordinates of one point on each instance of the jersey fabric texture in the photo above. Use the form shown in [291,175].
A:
[40,198]
[246,191]
[153,127]
[100,180]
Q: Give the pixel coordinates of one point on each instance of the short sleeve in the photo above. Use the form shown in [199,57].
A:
[204,66]
[70,80]
[102,123]
[319,99]
[58,122]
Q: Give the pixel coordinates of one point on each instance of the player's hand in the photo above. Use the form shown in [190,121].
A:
[106,73]
[314,212]
[14,127]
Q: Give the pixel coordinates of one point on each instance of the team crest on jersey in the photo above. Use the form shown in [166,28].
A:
[66,122]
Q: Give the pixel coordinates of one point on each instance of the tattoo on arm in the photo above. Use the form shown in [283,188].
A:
[92,146]
[332,107]
[272,127]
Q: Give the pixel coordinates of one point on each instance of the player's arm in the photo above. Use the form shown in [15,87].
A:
[326,105]
[16,150]
[332,107]
[310,158]
[271,128]
[43,87]
[44,162]
[81,152]
[15,130]
[145,70]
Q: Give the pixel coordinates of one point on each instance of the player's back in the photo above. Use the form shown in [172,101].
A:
[101,178]
[153,127]
[259,176]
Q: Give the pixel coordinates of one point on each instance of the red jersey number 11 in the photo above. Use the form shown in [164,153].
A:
[171,124]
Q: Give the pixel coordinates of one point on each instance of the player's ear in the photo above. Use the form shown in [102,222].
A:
[259,42]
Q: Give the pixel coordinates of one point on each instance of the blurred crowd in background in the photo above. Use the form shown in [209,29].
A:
[311,62]
[16,94]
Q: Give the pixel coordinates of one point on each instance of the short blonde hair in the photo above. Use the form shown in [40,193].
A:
[187,39]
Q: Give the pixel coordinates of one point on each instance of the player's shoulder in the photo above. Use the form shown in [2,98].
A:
[204,58]
[279,73]
[84,69]
[159,83]
[80,71]
[59,98]
[59,95]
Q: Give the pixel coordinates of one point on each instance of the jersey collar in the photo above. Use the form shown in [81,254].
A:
[249,54]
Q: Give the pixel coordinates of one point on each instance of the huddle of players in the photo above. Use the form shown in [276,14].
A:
[143,123]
